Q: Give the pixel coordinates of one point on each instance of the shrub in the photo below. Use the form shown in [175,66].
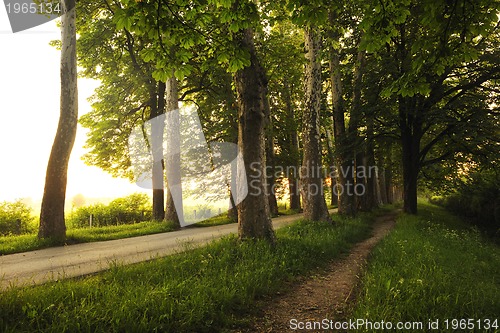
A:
[477,199]
[16,218]
[127,210]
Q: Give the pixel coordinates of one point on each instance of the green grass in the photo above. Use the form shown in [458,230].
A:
[432,266]
[23,243]
[206,289]
[30,242]
[213,221]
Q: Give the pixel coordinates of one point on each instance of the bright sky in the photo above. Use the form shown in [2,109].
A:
[29,112]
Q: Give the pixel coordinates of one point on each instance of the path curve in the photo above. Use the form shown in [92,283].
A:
[35,267]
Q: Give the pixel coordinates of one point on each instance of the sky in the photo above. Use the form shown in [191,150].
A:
[29,112]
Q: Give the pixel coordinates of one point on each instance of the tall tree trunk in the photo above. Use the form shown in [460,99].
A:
[382,181]
[411,127]
[232,213]
[52,223]
[293,152]
[270,157]
[253,212]
[345,169]
[157,105]
[173,164]
[388,174]
[370,198]
[311,176]
[334,200]
[362,202]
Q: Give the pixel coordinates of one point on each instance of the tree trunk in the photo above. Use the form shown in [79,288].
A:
[157,105]
[253,212]
[411,127]
[362,202]
[313,197]
[52,223]
[345,185]
[173,164]
[293,152]
[382,181]
[370,198]
[270,157]
[331,161]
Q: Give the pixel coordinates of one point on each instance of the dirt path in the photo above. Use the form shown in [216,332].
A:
[328,294]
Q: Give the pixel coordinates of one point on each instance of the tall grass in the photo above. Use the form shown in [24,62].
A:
[432,266]
[201,290]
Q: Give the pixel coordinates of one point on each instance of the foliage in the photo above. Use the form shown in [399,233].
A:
[476,198]
[16,218]
[202,290]
[131,209]
[431,267]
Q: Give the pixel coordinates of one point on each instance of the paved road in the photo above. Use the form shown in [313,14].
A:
[55,263]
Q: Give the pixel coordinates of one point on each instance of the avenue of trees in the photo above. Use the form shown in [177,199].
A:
[357,102]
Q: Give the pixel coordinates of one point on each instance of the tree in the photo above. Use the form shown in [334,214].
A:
[78,201]
[112,54]
[441,53]
[52,223]
[251,86]
[284,60]
[311,172]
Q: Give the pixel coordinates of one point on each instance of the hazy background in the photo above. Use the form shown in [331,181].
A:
[29,111]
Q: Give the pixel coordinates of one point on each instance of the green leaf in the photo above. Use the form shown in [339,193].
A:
[147,54]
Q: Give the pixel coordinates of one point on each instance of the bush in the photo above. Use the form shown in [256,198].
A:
[16,218]
[477,199]
[127,210]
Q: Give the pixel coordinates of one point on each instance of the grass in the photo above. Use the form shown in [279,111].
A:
[206,289]
[29,242]
[432,266]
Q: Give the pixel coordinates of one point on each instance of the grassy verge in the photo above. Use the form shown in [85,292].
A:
[432,266]
[29,242]
[23,243]
[203,290]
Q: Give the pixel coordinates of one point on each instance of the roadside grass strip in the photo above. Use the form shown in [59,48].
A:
[201,290]
[433,267]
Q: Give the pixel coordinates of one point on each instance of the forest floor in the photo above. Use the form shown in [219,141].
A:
[328,294]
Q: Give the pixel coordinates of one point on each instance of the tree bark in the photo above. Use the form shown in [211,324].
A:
[293,152]
[253,212]
[270,160]
[313,197]
[411,134]
[157,105]
[381,162]
[370,198]
[331,161]
[52,223]
[173,165]
[344,166]
[360,159]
